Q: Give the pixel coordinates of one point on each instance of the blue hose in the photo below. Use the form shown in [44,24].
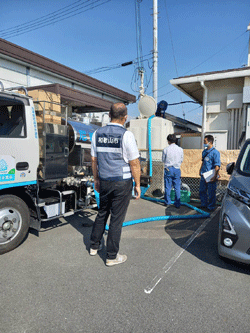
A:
[182,203]
[163,218]
[202,215]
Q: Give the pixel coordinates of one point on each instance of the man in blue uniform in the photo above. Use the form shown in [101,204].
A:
[172,157]
[210,161]
[115,160]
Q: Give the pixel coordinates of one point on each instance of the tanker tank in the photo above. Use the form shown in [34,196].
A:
[80,136]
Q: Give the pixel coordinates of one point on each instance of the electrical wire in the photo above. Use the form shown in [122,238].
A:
[244,51]
[139,71]
[103,69]
[52,20]
[138,32]
[183,103]
[136,78]
[169,92]
[225,46]
[150,77]
[172,45]
[115,66]
[194,109]
[20,26]
[171,40]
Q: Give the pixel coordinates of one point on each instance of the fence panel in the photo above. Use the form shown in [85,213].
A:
[157,182]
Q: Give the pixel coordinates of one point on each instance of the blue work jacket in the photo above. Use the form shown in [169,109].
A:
[211,159]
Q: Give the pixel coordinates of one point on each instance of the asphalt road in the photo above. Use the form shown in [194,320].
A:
[173,280]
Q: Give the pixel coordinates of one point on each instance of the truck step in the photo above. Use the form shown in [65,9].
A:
[68,192]
[69,213]
[41,203]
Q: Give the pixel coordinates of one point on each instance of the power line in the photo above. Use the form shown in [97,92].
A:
[150,77]
[175,63]
[171,40]
[169,92]
[51,18]
[183,103]
[140,74]
[225,46]
[115,66]
[17,27]
[194,109]
[138,32]
[49,21]
[54,20]
[244,52]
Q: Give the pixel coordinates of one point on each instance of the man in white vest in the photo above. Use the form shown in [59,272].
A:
[115,160]
[172,157]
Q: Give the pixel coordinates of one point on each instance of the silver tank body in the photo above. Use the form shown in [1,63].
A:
[80,136]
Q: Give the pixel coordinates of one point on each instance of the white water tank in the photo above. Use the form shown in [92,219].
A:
[147,106]
[160,128]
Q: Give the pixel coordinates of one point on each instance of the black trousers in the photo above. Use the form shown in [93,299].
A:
[114,200]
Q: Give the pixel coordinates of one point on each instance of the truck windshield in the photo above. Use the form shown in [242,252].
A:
[245,161]
[12,121]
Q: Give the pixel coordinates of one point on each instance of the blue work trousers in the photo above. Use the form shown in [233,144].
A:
[172,178]
[208,194]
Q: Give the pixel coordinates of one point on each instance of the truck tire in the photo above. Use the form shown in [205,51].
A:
[14,222]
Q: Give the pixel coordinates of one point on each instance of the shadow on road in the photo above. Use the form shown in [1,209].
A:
[82,222]
[204,247]
[86,219]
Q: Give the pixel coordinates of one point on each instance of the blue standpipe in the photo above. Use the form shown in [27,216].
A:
[150,146]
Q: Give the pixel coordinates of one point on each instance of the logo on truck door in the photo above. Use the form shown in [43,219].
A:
[34,122]
[7,168]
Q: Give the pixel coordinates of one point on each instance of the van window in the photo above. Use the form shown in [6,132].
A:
[12,121]
[245,161]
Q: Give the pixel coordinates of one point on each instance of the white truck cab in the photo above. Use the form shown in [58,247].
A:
[45,168]
[19,143]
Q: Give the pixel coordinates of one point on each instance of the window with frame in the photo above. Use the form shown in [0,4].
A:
[245,161]
[12,121]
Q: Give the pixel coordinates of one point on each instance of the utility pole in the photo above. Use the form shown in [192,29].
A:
[248,59]
[155,49]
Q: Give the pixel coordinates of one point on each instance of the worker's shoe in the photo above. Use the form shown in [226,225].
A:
[93,252]
[120,258]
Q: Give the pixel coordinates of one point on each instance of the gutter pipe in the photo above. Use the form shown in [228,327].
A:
[204,115]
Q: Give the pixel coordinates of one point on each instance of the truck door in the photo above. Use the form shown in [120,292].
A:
[19,144]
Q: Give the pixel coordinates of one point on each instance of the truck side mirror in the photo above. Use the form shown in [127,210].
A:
[230,168]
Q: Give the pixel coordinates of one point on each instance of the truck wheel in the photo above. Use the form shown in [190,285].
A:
[14,222]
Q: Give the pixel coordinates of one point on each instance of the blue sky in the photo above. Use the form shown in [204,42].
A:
[205,35]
